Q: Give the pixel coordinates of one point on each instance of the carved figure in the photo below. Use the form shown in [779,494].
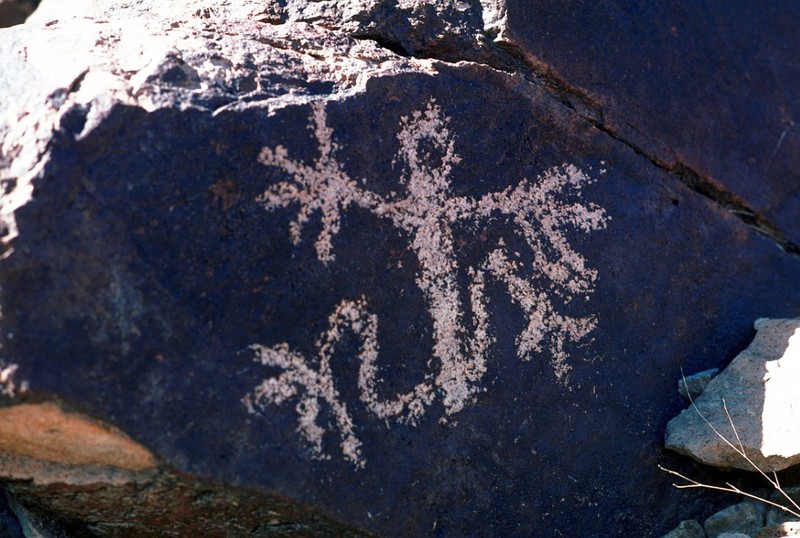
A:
[426,211]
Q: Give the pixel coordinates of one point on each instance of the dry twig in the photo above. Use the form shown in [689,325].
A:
[730,488]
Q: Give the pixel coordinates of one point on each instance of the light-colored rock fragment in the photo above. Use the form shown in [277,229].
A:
[44,443]
[734,535]
[495,18]
[759,388]
[744,518]
[790,528]
[694,385]
[783,530]
[687,529]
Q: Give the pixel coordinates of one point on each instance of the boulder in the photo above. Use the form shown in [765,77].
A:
[689,528]
[776,517]
[759,391]
[360,254]
[743,518]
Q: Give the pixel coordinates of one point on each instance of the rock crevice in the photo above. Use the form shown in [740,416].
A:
[508,57]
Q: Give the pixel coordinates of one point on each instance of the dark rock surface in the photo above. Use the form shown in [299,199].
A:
[13,12]
[427,297]
[708,89]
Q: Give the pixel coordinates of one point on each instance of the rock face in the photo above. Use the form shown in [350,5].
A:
[366,256]
[759,389]
[705,89]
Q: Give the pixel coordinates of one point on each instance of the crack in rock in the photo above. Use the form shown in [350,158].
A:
[497,52]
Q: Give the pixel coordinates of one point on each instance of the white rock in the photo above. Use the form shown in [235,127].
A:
[790,528]
[760,390]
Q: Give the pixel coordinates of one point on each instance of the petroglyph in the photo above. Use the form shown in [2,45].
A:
[541,211]
[7,385]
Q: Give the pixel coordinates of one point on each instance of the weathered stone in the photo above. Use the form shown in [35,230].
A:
[43,443]
[171,504]
[779,496]
[777,516]
[692,386]
[733,535]
[759,390]
[744,518]
[447,30]
[689,528]
[13,12]
[708,89]
[400,289]
[789,528]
